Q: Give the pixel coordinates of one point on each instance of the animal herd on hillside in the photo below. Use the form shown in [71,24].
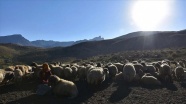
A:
[63,75]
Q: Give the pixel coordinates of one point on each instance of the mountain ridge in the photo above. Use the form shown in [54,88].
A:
[20,40]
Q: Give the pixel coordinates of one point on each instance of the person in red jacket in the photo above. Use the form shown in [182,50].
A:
[45,74]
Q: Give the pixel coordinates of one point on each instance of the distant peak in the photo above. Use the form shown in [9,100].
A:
[16,35]
[97,38]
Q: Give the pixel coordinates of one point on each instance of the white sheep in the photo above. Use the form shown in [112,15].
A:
[179,73]
[184,75]
[8,76]
[18,76]
[113,70]
[165,73]
[82,72]
[23,68]
[57,70]
[1,76]
[129,72]
[96,76]
[150,80]
[67,73]
[119,66]
[150,69]
[10,68]
[139,69]
[63,87]
[74,71]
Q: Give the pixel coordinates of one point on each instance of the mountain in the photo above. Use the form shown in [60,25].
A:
[138,41]
[50,43]
[20,40]
[15,39]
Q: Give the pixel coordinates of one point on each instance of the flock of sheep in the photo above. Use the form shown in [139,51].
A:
[64,75]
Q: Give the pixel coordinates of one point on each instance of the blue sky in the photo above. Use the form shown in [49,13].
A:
[70,20]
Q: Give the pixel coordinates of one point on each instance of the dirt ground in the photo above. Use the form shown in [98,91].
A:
[109,92]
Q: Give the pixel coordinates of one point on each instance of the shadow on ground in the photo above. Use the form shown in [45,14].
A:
[122,91]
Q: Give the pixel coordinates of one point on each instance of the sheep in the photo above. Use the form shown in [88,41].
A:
[8,76]
[184,62]
[139,72]
[23,68]
[96,76]
[57,70]
[36,71]
[10,68]
[144,65]
[150,69]
[63,87]
[135,62]
[174,62]
[74,71]
[119,76]
[184,75]
[157,66]
[1,76]
[150,80]
[67,73]
[129,72]
[165,62]
[113,70]
[139,69]
[179,73]
[165,73]
[82,72]
[18,76]
[106,73]
[119,66]
[34,64]
[99,64]
[181,63]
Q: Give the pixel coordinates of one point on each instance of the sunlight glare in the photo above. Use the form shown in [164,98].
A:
[148,14]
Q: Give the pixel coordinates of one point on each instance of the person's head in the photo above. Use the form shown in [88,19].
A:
[46,67]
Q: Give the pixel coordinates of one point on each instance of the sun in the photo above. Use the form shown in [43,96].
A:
[149,14]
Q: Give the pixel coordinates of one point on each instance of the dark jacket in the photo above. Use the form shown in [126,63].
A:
[44,76]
